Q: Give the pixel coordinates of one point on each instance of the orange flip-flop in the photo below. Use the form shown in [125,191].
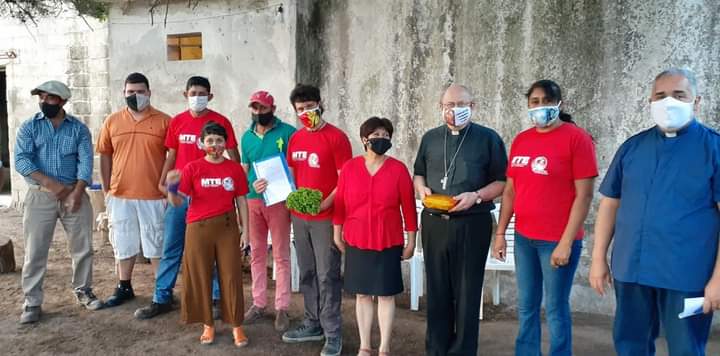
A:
[239,335]
[208,335]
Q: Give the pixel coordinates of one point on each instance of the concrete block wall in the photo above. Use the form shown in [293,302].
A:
[64,48]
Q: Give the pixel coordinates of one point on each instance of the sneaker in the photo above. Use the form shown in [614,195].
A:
[303,333]
[30,315]
[153,310]
[253,314]
[282,320]
[216,310]
[87,299]
[333,346]
[120,296]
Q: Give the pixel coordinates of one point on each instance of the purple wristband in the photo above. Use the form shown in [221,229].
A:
[173,188]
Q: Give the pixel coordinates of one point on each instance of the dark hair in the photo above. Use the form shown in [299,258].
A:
[553,92]
[213,128]
[199,81]
[304,92]
[374,123]
[137,78]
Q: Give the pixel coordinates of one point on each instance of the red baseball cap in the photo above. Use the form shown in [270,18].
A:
[262,97]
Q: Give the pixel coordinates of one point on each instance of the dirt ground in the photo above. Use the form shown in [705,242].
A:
[66,328]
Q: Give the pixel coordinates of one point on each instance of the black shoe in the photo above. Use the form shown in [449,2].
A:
[303,333]
[120,296]
[153,310]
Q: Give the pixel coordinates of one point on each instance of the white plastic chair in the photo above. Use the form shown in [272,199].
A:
[495,265]
[417,267]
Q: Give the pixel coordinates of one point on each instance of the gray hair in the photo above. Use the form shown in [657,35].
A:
[683,72]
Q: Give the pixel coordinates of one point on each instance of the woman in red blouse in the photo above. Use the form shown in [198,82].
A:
[374,196]
[216,187]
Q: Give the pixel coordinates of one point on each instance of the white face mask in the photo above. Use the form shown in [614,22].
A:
[197,103]
[671,114]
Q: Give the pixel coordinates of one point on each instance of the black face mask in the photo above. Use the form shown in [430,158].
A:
[50,110]
[263,119]
[131,102]
[380,145]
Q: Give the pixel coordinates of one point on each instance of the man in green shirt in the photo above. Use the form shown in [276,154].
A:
[266,137]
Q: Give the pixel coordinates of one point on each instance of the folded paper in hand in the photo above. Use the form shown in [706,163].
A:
[275,170]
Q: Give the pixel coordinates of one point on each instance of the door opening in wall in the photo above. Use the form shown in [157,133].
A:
[4,136]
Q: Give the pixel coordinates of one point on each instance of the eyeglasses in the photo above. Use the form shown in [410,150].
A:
[452,105]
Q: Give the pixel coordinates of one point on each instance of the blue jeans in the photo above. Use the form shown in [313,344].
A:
[641,310]
[173,247]
[535,274]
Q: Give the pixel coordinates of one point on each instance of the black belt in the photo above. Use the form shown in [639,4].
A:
[448,216]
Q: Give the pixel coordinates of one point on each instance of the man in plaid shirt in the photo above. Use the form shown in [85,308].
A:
[54,153]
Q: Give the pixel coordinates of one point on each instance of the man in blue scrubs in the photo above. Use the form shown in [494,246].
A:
[660,205]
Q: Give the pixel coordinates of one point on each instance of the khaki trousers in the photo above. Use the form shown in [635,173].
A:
[41,212]
[210,242]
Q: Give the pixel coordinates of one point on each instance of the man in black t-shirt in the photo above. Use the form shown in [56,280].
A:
[466,161]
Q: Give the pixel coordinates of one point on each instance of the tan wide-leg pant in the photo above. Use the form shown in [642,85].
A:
[208,242]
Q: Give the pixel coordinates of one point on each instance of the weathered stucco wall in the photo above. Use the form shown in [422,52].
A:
[62,48]
[247,45]
[392,58]
[388,58]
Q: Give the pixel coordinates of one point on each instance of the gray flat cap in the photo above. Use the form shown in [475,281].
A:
[53,87]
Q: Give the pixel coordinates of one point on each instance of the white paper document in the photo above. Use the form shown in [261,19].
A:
[693,306]
[275,170]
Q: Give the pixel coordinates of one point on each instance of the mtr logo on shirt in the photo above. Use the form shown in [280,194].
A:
[313,159]
[187,138]
[227,183]
[190,139]
[520,161]
[538,165]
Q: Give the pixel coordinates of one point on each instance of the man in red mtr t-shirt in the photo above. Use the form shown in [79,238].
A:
[315,154]
[184,146]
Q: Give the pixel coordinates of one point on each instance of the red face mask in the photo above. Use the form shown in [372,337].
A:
[310,118]
[214,150]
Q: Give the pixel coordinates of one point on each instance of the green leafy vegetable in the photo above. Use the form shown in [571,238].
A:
[305,201]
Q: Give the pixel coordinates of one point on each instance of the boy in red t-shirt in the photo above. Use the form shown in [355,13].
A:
[184,146]
[315,154]
[216,188]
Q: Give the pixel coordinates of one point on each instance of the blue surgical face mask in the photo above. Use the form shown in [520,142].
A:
[544,116]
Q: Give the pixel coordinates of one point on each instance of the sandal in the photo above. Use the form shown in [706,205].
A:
[364,352]
[208,335]
[239,335]
[384,353]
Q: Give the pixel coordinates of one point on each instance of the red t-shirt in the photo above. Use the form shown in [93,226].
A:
[316,157]
[369,207]
[212,187]
[544,167]
[183,135]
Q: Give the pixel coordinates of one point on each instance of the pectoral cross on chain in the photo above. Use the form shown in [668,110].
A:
[444,182]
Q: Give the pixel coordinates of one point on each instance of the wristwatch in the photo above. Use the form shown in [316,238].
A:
[479,200]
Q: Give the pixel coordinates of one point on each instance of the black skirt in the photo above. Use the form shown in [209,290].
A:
[371,272]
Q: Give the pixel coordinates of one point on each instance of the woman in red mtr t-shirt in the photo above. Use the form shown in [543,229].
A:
[374,196]
[216,188]
[549,188]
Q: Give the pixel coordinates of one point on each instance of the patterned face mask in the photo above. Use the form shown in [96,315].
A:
[544,116]
[458,116]
[310,118]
